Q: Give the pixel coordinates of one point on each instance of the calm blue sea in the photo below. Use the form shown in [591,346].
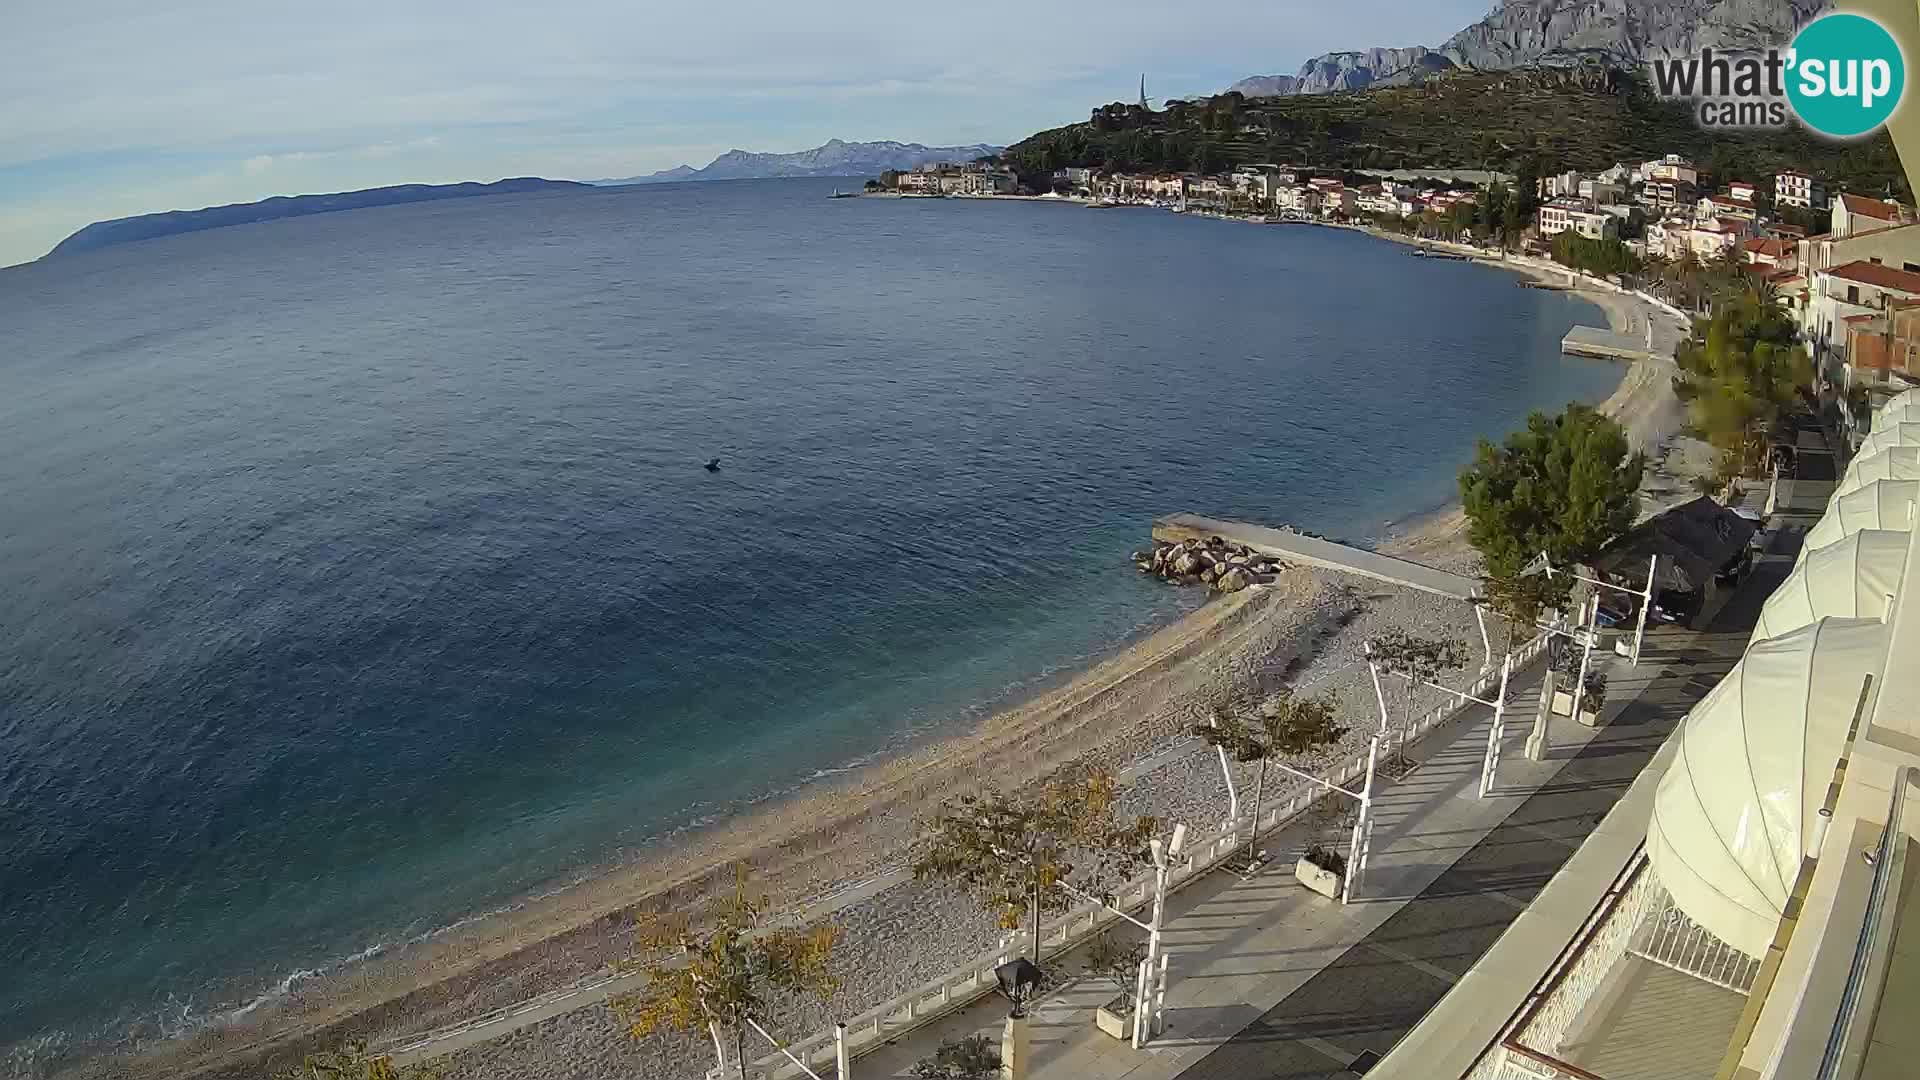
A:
[360,573]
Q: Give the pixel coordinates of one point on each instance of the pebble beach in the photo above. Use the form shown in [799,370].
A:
[810,851]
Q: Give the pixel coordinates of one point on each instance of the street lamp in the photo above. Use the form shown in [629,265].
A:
[1019,980]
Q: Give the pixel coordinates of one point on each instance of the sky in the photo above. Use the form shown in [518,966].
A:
[110,108]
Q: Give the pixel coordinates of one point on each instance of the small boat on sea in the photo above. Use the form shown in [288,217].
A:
[838,194]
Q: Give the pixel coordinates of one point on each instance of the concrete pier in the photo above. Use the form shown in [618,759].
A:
[1326,554]
[1605,344]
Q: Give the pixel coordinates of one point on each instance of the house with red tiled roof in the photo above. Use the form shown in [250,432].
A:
[1857,214]
[1724,206]
[1861,287]
[1770,252]
[1883,347]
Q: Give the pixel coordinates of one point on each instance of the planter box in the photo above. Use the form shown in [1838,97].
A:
[1589,717]
[1117,1024]
[1562,703]
[1321,880]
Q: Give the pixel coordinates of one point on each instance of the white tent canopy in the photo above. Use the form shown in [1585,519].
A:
[1737,810]
[1890,435]
[1853,579]
[1891,408]
[1882,504]
[1904,409]
[1893,463]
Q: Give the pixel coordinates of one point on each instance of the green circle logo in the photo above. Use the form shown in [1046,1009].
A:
[1845,75]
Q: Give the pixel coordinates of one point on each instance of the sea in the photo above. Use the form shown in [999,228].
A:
[361,574]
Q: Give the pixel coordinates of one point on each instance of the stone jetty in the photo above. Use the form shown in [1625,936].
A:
[1211,561]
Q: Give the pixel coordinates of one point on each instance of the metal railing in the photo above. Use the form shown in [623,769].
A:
[973,980]
[1866,978]
[1532,1042]
[1669,938]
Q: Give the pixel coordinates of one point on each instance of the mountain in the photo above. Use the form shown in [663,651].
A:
[1624,32]
[835,157]
[1556,33]
[1339,71]
[148,226]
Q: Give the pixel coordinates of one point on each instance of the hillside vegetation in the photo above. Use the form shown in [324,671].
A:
[1584,119]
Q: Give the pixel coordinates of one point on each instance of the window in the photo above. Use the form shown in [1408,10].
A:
[1853,294]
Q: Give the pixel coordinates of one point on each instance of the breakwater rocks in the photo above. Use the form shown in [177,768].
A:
[1211,562]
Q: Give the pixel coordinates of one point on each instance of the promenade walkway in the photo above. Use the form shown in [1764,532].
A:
[1270,980]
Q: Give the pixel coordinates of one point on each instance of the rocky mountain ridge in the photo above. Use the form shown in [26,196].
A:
[1522,33]
[835,157]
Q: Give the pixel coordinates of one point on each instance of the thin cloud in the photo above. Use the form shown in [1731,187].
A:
[271,98]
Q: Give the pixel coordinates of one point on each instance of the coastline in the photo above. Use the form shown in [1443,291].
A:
[1124,709]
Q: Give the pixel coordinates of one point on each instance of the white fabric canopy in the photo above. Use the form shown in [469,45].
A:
[1853,579]
[1890,435]
[1736,811]
[1890,408]
[1893,463]
[1882,504]
[1904,409]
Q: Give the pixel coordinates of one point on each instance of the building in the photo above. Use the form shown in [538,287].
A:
[1673,169]
[1566,183]
[988,181]
[1724,206]
[1772,253]
[1748,910]
[1709,240]
[1668,194]
[1841,292]
[1577,216]
[1856,214]
[1798,189]
[1884,348]
[1602,192]
[1742,192]
[1340,200]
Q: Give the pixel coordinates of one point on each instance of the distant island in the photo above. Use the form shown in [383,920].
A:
[127,230]
[835,157]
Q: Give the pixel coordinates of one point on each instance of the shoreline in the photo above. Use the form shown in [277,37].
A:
[822,842]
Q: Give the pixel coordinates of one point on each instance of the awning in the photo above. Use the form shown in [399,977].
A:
[1889,435]
[1737,811]
[1882,504]
[1693,540]
[1893,463]
[1891,408]
[1853,579]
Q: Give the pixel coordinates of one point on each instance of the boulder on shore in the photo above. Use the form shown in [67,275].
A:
[1212,562]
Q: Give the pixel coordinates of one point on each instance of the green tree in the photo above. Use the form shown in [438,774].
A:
[353,1062]
[1565,485]
[1014,854]
[715,981]
[1603,258]
[1283,726]
[1739,369]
